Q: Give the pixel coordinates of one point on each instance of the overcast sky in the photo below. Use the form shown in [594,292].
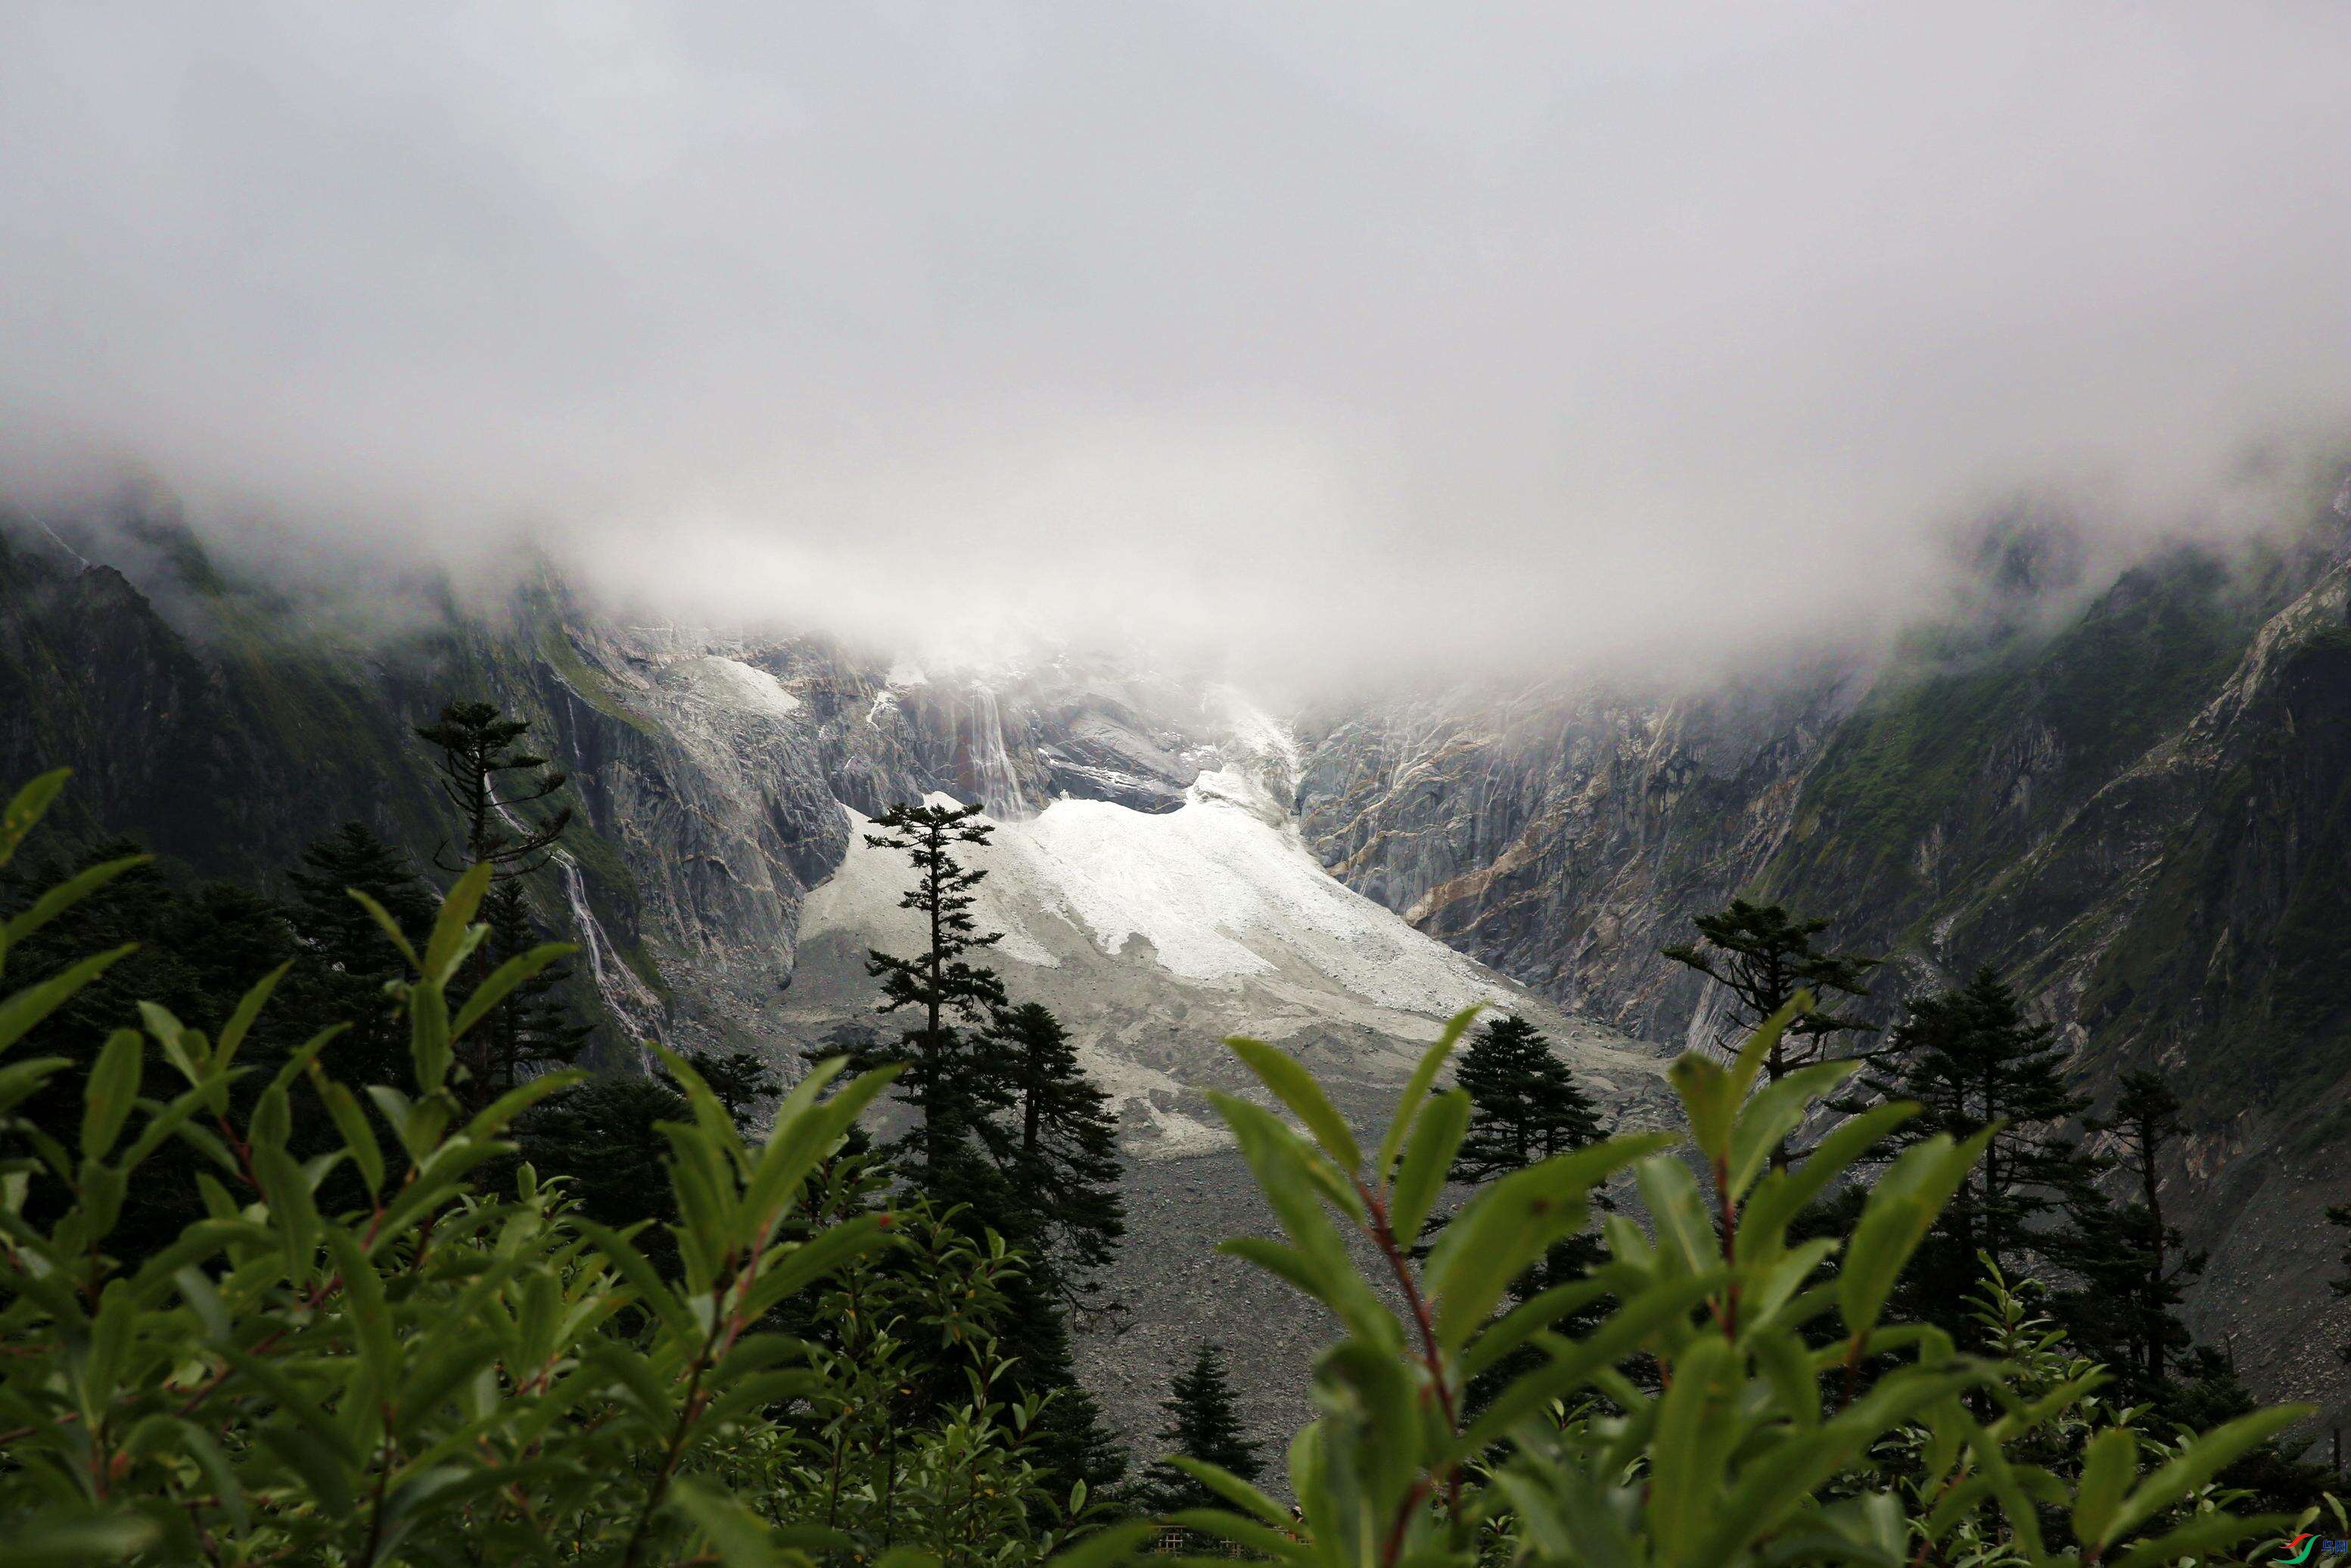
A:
[1363,330]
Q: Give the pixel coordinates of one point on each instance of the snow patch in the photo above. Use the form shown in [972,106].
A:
[1222,889]
[732,684]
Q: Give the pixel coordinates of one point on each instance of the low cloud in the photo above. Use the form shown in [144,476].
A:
[1337,338]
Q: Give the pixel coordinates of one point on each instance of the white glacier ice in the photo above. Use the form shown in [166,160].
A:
[732,684]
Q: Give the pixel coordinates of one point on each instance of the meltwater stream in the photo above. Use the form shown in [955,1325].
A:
[625,996]
[992,774]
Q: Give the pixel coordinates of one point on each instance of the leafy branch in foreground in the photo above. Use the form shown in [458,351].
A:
[354,1357]
[1793,1424]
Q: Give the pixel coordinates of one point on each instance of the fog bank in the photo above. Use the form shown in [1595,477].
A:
[1335,337]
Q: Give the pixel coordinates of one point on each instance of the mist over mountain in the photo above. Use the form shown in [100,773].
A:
[1367,512]
[1579,336]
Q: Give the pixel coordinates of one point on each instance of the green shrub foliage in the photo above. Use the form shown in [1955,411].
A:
[424,1374]
[358,1355]
[1793,1424]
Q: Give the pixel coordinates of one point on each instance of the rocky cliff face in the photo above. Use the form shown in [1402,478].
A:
[1563,834]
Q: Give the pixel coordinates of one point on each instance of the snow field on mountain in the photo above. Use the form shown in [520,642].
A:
[1221,890]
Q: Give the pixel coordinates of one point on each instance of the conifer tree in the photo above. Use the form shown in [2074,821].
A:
[348,960]
[1525,1107]
[479,748]
[533,1028]
[1204,1423]
[963,1081]
[1060,1140]
[740,1079]
[1969,1059]
[1764,956]
[952,1079]
[2132,1264]
[497,788]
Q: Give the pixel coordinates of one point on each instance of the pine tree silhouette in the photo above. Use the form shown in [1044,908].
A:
[1204,1423]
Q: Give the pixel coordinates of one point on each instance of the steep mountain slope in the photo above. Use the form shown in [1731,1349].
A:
[2134,813]
[1149,881]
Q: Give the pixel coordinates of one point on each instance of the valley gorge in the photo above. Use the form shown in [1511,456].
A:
[2128,796]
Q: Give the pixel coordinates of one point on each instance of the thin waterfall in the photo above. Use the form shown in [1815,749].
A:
[625,996]
[992,777]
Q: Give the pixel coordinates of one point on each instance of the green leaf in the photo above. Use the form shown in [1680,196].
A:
[428,1037]
[2203,1458]
[1295,1087]
[1758,1048]
[1779,1109]
[493,1118]
[504,979]
[64,896]
[803,1134]
[740,1538]
[352,1123]
[1428,1159]
[1901,1208]
[1233,1489]
[391,927]
[248,1009]
[1117,1544]
[1708,1105]
[2108,1466]
[1284,1262]
[1265,1542]
[1576,1362]
[446,949]
[829,1251]
[111,1092]
[367,1313]
[1510,1223]
[2206,1532]
[28,807]
[1689,1455]
[28,1006]
[1783,1194]
[65,1542]
[1279,1161]
[1538,1312]
[1424,1078]
[20,1081]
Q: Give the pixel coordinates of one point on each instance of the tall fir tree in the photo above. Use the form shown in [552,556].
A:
[348,961]
[2133,1264]
[1969,1059]
[497,788]
[963,1082]
[534,1028]
[743,1081]
[1059,1139]
[953,1080]
[1525,1107]
[1763,956]
[1204,1423]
